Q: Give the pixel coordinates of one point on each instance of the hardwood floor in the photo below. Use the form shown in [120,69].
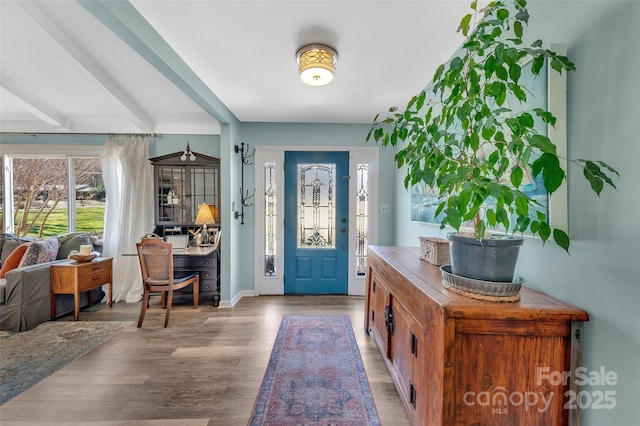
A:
[204,369]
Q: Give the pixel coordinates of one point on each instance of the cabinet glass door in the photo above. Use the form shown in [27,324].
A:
[173,205]
[204,189]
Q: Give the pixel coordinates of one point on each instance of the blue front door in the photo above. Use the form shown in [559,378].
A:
[316,186]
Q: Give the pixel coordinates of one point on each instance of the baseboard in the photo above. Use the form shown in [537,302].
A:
[231,303]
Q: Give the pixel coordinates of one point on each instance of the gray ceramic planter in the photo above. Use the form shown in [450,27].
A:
[490,259]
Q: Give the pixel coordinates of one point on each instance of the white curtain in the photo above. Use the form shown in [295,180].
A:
[128,182]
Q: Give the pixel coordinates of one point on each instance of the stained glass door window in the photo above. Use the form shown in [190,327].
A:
[316,205]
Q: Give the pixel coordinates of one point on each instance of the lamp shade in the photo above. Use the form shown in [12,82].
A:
[317,64]
[206,214]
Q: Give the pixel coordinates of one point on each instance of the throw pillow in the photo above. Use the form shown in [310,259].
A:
[70,242]
[14,259]
[11,242]
[40,251]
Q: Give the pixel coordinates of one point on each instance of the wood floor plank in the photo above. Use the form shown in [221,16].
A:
[204,369]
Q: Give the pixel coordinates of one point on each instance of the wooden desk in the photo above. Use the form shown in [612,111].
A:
[205,261]
[74,278]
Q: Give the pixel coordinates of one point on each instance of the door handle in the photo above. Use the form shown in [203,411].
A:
[343,231]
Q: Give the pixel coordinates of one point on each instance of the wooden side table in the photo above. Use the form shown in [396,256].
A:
[74,278]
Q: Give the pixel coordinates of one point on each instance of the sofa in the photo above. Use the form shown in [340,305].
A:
[25,293]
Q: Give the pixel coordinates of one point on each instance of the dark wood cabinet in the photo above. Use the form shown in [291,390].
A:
[461,361]
[208,266]
[180,187]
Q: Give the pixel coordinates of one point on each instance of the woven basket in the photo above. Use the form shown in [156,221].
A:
[434,250]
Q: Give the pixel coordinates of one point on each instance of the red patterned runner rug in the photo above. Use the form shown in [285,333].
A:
[315,376]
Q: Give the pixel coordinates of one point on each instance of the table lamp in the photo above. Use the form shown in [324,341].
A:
[206,215]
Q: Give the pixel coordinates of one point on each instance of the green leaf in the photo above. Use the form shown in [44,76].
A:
[489,65]
[522,206]
[535,227]
[543,143]
[487,132]
[456,64]
[608,167]
[523,16]
[502,14]
[495,190]
[537,64]
[561,238]
[503,217]
[517,29]
[597,172]
[501,72]
[518,92]
[474,141]
[516,177]
[514,72]
[464,24]
[420,102]
[502,96]
[546,116]
[454,218]
[491,217]
[428,176]
[526,120]
[596,183]
[552,173]
[544,231]
[557,65]
[481,228]
[522,223]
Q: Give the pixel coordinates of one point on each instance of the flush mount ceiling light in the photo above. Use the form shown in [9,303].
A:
[316,64]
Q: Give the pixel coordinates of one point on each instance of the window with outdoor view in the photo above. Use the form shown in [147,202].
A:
[53,195]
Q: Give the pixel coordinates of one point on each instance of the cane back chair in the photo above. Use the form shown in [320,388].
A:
[156,264]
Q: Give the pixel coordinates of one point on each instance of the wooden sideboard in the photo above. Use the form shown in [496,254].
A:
[461,361]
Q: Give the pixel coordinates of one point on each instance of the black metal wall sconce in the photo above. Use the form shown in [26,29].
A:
[244,195]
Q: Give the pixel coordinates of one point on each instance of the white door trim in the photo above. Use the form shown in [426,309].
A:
[264,285]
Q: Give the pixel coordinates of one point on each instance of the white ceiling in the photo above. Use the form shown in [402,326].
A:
[63,70]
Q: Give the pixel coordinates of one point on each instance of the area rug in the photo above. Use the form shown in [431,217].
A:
[315,376]
[29,356]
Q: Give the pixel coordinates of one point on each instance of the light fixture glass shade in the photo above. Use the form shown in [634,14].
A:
[317,64]
[188,154]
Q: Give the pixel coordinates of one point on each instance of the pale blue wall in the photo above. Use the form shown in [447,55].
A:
[602,274]
[306,134]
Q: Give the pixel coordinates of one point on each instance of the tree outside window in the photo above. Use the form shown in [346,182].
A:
[41,194]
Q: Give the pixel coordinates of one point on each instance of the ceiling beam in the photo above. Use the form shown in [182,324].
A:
[63,46]
[126,22]
[29,102]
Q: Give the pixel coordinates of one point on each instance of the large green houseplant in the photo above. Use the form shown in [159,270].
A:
[460,138]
